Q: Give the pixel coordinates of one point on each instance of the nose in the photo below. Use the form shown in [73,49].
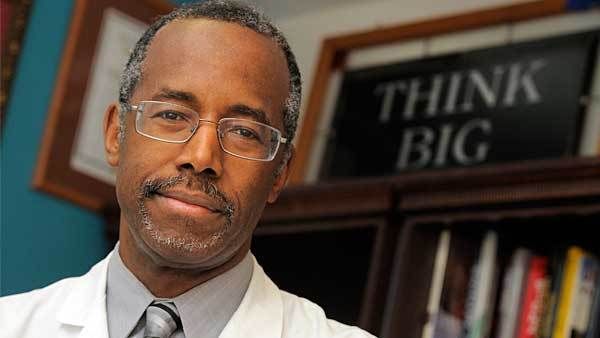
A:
[202,153]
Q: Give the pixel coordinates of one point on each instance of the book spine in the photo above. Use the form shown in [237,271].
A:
[533,297]
[551,302]
[510,300]
[435,291]
[492,310]
[594,328]
[470,301]
[583,304]
[479,320]
[567,293]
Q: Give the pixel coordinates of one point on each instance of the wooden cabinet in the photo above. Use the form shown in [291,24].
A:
[333,244]
[364,249]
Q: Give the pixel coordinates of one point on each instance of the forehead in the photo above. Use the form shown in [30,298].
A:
[217,60]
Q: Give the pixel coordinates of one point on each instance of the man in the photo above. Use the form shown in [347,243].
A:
[201,141]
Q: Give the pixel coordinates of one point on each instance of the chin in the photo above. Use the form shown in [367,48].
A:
[188,251]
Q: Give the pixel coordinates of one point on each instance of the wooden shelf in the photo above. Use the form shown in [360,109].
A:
[408,212]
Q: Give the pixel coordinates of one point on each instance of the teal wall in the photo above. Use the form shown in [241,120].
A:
[42,238]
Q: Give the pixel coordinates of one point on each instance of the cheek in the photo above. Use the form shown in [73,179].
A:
[128,184]
[138,162]
[251,189]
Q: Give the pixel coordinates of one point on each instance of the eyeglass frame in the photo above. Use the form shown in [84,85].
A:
[139,110]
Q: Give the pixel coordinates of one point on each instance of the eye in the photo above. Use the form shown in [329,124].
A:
[170,115]
[244,132]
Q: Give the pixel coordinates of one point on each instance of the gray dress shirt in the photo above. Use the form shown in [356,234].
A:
[204,310]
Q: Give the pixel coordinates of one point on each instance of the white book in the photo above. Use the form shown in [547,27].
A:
[590,128]
[584,296]
[477,320]
[512,290]
[437,282]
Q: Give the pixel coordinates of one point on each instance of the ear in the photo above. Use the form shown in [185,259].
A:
[280,180]
[111,134]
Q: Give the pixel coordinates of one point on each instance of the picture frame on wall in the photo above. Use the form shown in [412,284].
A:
[412,46]
[13,23]
[71,162]
[500,104]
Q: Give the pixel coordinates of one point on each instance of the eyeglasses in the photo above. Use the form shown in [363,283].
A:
[173,123]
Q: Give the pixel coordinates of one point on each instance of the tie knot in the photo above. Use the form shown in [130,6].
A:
[162,319]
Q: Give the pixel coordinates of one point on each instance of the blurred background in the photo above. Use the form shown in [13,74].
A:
[44,238]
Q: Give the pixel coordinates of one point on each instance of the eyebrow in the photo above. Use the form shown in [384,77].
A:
[178,95]
[191,100]
[254,113]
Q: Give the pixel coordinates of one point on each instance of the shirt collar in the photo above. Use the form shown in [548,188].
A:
[204,310]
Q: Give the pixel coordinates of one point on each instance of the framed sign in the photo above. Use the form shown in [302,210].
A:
[14,16]
[502,104]
[71,160]
[336,52]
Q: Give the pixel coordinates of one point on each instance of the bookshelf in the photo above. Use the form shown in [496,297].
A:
[364,249]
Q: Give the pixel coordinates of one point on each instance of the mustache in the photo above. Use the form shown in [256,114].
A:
[160,185]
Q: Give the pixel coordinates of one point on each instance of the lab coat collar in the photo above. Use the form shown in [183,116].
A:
[260,315]
[85,305]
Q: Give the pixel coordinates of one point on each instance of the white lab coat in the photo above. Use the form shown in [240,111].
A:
[76,307]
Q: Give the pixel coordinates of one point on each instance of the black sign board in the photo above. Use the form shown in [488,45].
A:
[509,103]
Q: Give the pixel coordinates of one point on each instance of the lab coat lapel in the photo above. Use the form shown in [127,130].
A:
[96,324]
[260,314]
[83,313]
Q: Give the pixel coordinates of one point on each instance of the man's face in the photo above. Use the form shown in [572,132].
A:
[192,205]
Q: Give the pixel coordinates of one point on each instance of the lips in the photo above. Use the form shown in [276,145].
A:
[190,202]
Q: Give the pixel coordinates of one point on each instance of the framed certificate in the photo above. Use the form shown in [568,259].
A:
[71,161]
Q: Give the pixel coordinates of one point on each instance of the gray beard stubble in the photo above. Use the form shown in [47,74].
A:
[151,187]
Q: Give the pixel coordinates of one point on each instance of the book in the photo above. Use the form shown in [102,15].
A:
[450,315]
[437,282]
[565,309]
[533,297]
[555,273]
[481,292]
[586,288]
[594,328]
[492,308]
[510,299]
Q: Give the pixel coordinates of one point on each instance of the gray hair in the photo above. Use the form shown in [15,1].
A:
[220,10]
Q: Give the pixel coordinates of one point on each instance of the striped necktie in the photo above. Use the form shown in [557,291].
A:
[162,320]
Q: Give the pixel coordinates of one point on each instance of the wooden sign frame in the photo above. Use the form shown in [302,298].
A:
[53,173]
[334,52]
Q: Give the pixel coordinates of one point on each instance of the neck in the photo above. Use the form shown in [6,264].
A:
[164,281]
